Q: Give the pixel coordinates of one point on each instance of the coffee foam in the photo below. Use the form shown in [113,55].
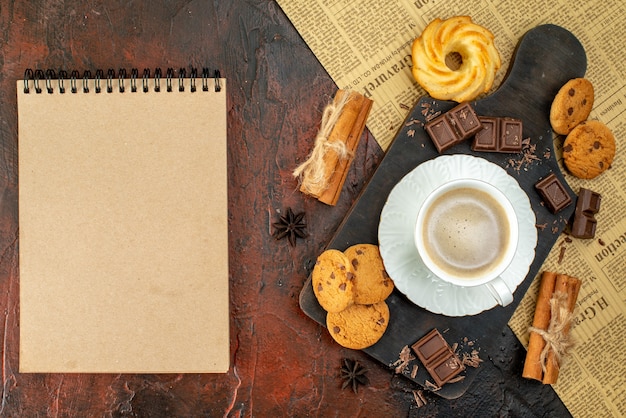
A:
[466,232]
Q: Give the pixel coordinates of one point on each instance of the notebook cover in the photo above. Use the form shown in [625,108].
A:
[123,231]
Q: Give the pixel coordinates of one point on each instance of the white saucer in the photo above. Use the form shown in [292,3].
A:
[397,248]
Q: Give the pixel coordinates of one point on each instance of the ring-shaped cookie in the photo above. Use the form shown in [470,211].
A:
[455,37]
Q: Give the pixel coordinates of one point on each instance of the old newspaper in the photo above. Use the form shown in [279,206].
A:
[366,45]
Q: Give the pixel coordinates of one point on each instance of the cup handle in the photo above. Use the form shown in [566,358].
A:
[500,291]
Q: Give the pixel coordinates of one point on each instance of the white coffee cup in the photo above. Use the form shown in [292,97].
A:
[466,234]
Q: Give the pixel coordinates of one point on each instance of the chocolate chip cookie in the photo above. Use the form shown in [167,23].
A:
[571,105]
[359,326]
[332,280]
[589,149]
[371,282]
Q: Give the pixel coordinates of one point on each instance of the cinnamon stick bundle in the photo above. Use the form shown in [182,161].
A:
[569,286]
[533,368]
[324,173]
[549,335]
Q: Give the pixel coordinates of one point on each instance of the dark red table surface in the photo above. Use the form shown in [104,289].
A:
[282,362]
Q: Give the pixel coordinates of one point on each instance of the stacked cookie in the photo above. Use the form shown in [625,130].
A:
[589,147]
[352,287]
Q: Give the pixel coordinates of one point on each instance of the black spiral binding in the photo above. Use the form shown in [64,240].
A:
[144,81]
[168,79]
[73,76]
[36,79]
[99,75]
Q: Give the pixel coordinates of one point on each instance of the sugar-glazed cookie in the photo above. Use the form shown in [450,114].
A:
[589,149]
[371,282]
[359,326]
[571,105]
[332,280]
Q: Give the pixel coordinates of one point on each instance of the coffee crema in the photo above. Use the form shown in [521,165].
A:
[466,232]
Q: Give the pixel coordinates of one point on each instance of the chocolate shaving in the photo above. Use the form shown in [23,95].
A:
[561,254]
[432,116]
[431,386]
[471,359]
[526,158]
[456,379]
[419,397]
[404,358]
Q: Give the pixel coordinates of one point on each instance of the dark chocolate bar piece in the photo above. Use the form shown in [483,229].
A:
[510,135]
[553,193]
[442,133]
[430,347]
[437,356]
[583,226]
[498,135]
[584,223]
[487,138]
[464,119]
[452,127]
[445,369]
[588,201]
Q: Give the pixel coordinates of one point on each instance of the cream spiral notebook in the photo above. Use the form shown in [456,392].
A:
[123,222]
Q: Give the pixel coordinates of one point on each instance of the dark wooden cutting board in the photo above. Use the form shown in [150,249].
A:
[545,59]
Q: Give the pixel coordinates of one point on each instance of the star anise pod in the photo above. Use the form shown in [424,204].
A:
[353,374]
[290,225]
